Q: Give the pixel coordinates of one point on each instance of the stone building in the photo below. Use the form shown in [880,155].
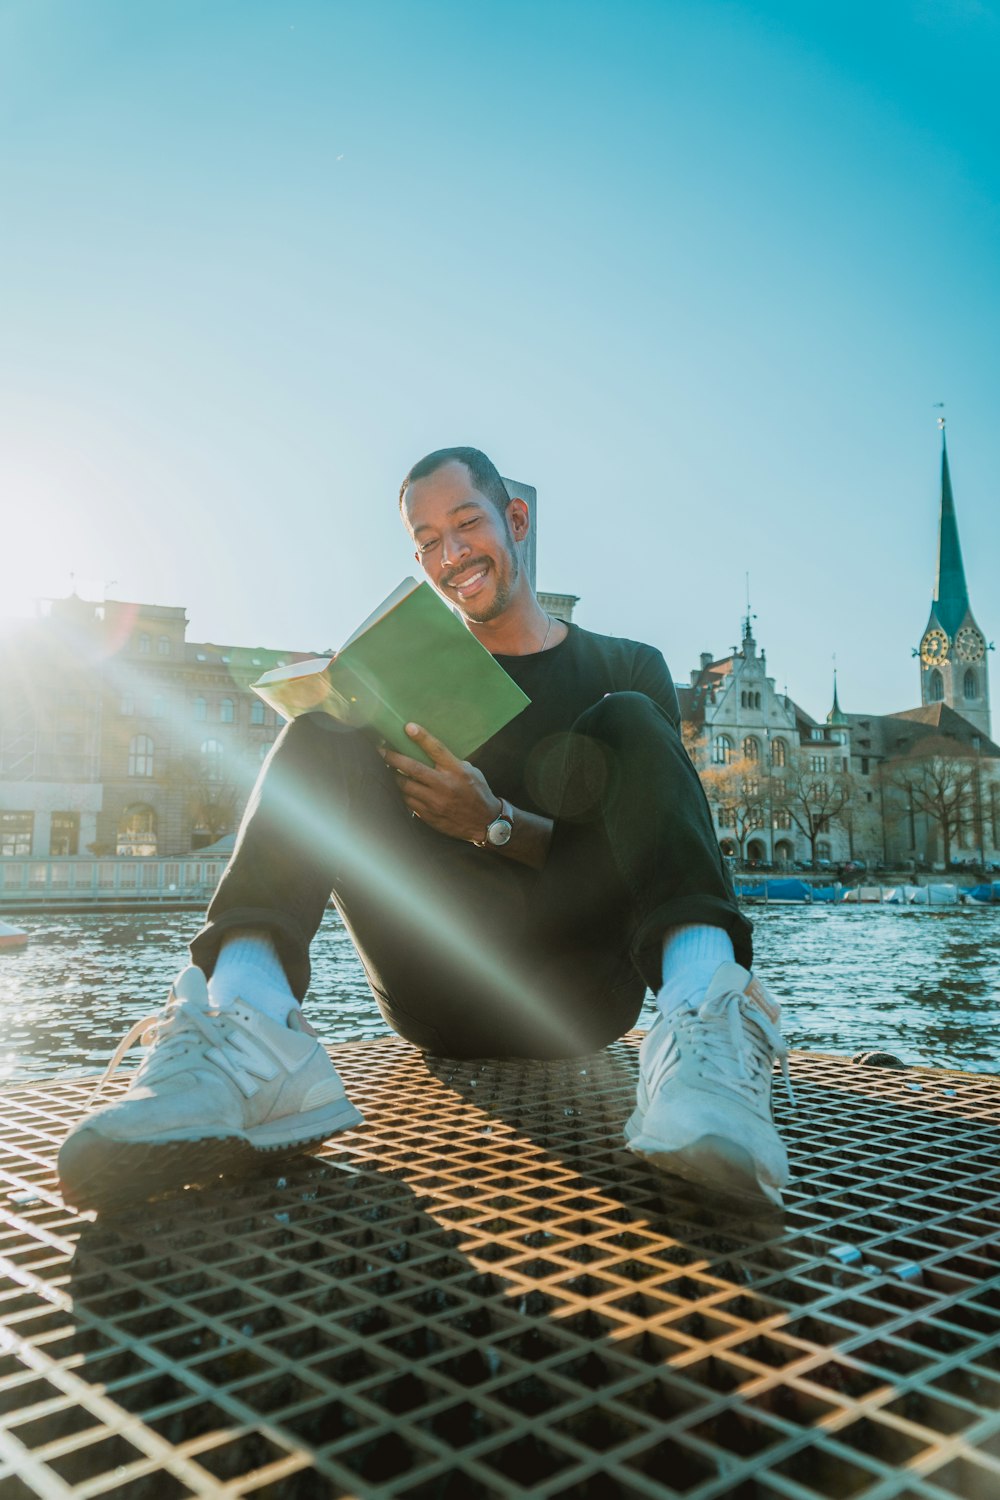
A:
[894,753]
[120,736]
[771,771]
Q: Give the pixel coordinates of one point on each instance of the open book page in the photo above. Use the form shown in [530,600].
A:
[396,597]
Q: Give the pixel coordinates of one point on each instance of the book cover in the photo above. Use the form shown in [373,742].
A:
[411,661]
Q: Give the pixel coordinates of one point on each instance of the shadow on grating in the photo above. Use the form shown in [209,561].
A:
[480,1294]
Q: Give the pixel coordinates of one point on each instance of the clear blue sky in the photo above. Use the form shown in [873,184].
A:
[697,270]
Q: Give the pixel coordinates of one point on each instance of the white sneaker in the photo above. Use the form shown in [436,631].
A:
[704,1109]
[218,1090]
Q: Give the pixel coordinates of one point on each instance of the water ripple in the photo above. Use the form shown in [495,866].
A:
[922,984]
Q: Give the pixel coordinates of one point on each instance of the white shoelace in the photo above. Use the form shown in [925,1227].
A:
[170,1031]
[735,1042]
[755,1040]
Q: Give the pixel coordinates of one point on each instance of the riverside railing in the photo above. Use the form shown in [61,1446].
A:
[138,878]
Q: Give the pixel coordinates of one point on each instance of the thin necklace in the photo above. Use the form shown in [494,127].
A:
[547,633]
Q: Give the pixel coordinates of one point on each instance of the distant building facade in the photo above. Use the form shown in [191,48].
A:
[120,736]
[759,752]
[919,787]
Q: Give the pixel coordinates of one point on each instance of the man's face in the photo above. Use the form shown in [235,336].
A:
[464,544]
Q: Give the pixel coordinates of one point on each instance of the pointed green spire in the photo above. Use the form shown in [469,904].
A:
[951,596]
[836,714]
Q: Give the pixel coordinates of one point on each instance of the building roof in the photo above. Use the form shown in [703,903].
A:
[951,594]
[901,733]
[694,695]
[836,714]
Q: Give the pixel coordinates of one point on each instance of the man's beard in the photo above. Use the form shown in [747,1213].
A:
[503,595]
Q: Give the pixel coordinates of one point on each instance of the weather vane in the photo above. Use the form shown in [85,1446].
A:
[748,617]
[941,420]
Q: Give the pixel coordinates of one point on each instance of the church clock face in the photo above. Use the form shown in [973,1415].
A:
[934,647]
[969,644]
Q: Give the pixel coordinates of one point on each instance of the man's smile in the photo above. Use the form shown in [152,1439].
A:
[469,581]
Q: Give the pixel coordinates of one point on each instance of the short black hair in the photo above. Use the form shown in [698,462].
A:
[482,471]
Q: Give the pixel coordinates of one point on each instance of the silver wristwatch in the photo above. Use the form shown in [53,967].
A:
[499,831]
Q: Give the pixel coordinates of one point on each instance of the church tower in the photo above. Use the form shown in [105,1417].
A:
[953,667]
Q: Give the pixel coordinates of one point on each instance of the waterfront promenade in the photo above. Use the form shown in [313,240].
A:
[33,884]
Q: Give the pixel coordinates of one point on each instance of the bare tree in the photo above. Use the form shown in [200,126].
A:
[813,799]
[693,740]
[213,800]
[937,780]
[738,791]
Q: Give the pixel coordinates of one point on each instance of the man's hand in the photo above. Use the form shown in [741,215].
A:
[451,795]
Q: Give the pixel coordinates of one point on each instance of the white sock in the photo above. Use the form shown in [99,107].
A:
[248,968]
[691,956]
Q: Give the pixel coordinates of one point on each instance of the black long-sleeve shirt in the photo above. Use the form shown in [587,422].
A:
[561,683]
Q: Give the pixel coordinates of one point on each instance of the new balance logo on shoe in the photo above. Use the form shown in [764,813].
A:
[244,1061]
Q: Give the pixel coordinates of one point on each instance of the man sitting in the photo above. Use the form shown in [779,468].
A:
[516,904]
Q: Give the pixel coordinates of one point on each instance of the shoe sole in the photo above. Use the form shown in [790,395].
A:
[96,1172]
[712,1161]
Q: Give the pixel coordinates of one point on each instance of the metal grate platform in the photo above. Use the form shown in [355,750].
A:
[480,1294]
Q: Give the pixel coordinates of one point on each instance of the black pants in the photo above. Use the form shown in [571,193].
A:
[469,953]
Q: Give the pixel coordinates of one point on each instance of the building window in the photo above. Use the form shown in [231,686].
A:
[144,644]
[264,751]
[822,849]
[751,749]
[817,763]
[782,818]
[935,688]
[137,831]
[256,712]
[65,835]
[212,754]
[779,752]
[200,708]
[159,707]
[226,712]
[970,687]
[756,700]
[140,755]
[16,829]
[815,734]
[163,645]
[722,750]
[126,706]
[865,765]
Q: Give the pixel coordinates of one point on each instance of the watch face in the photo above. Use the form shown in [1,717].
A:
[934,647]
[969,644]
[499,831]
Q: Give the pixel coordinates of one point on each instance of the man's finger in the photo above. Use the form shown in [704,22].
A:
[439,754]
[413,770]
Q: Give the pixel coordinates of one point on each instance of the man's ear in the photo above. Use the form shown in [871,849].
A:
[519,519]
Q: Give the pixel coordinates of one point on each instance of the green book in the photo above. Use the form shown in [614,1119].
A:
[411,661]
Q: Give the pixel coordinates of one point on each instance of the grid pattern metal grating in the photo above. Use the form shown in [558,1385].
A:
[480,1294]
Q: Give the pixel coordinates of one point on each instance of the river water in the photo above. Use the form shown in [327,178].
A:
[924,984]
